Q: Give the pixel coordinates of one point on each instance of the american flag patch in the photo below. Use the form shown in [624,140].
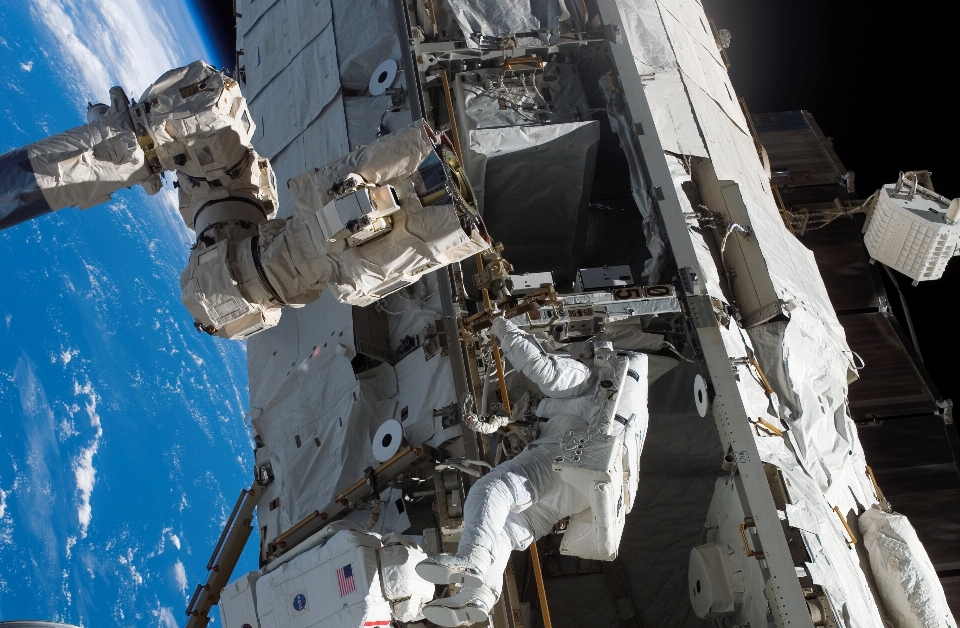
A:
[345,580]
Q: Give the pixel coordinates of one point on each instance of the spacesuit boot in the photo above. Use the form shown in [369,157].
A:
[465,568]
[470,606]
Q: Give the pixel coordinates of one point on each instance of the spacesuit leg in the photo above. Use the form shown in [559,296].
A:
[511,487]
[516,535]
[475,602]
[551,500]
[556,501]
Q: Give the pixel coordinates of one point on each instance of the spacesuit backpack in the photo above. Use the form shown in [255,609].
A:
[603,462]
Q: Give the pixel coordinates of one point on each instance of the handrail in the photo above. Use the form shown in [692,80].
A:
[225,556]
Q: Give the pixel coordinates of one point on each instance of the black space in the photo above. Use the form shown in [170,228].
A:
[877,77]
[218,17]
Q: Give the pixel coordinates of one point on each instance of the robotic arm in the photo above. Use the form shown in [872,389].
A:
[365,226]
[193,120]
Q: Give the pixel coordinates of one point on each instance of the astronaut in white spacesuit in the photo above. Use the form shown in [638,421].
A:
[522,499]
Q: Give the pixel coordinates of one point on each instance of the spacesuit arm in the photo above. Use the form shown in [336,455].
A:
[556,376]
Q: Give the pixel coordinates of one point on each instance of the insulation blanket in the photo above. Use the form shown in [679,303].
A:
[324,140]
[823,468]
[834,563]
[906,579]
[507,17]
[303,388]
[273,33]
[809,376]
[657,63]
[369,117]
[366,35]
[321,444]
[698,55]
[297,95]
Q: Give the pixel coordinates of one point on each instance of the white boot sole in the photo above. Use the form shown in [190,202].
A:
[452,617]
[440,574]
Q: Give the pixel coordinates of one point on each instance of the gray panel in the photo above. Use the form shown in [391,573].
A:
[536,212]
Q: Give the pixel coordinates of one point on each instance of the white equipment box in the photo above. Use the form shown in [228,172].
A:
[238,605]
[528,282]
[358,211]
[334,586]
[910,233]
[343,579]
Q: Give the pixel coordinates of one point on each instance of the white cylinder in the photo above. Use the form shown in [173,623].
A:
[953,211]
[388,440]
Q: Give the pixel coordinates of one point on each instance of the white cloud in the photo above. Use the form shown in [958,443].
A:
[71,541]
[3,506]
[109,42]
[65,588]
[68,355]
[27,67]
[67,429]
[37,485]
[167,619]
[180,575]
[84,472]
[175,540]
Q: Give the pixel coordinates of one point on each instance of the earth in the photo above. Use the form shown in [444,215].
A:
[123,443]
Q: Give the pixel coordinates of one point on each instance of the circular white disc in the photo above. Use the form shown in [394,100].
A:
[388,440]
[383,77]
[700,395]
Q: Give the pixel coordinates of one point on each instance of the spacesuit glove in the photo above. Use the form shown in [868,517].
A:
[485,425]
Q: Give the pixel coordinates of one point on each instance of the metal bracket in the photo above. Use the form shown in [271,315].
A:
[707,311]
[764,314]
[749,523]
[690,280]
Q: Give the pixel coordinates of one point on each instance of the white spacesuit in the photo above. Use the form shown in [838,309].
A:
[522,499]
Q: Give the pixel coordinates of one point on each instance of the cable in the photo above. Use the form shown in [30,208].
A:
[906,312]
[668,346]
[733,226]
[415,305]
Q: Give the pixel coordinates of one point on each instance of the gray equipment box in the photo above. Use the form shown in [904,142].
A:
[605,277]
